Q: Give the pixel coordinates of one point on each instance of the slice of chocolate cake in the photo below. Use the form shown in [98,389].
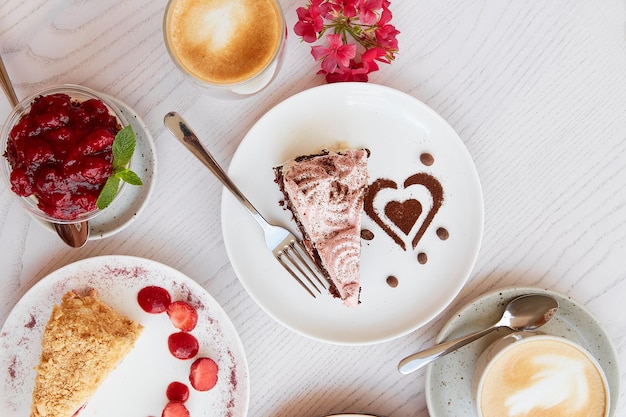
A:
[324,192]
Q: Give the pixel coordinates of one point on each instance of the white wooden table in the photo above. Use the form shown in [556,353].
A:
[535,89]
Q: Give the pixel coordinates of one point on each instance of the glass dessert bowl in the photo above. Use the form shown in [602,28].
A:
[57,152]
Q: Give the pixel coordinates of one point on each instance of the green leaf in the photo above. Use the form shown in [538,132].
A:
[123,147]
[129,176]
[108,192]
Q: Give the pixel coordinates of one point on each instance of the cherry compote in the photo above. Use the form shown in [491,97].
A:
[153,299]
[183,345]
[60,152]
[177,391]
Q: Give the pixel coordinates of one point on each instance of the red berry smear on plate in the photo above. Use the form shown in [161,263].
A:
[183,345]
[153,299]
[203,374]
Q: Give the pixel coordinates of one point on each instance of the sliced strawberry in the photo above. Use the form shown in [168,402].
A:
[175,409]
[203,374]
[182,315]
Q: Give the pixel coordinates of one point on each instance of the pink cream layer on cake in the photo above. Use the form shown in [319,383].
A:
[325,194]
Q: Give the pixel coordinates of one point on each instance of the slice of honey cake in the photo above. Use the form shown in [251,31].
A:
[84,340]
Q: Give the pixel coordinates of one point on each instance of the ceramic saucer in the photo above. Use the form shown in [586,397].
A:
[448,380]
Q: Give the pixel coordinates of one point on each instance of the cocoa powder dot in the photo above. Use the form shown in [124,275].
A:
[442,233]
[422,258]
[427,159]
[392,281]
[367,234]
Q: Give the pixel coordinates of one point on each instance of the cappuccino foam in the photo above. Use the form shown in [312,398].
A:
[224,41]
[543,378]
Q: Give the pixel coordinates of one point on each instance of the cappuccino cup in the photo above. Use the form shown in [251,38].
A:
[529,374]
[231,48]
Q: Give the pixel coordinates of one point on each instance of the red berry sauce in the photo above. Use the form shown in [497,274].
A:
[60,152]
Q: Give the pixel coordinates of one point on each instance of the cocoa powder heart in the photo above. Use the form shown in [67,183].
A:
[404,215]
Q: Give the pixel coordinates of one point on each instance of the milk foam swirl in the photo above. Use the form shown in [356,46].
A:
[543,378]
[560,382]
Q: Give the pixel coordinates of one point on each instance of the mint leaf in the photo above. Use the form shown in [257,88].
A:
[129,176]
[108,192]
[123,147]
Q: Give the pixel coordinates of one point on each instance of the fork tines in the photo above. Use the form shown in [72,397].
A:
[294,257]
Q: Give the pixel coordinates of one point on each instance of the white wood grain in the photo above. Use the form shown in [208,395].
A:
[536,89]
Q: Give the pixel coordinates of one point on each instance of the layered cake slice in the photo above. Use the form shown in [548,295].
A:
[83,342]
[324,192]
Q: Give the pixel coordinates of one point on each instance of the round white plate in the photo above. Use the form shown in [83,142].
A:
[397,129]
[449,379]
[134,198]
[137,386]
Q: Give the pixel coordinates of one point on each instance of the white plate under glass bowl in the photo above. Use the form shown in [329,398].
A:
[449,379]
[405,137]
[138,384]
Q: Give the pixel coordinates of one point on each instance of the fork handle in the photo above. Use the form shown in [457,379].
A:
[181,130]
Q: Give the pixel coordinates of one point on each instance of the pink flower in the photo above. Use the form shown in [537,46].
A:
[386,36]
[350,7]
[375,54]
[336,57]
[367,11]
[352,75]
[366,23]
[309,23]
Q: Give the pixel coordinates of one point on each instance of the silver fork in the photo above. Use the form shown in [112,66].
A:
[287,249]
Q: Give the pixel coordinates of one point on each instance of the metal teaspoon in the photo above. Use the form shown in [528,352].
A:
[526,312]
[74,234]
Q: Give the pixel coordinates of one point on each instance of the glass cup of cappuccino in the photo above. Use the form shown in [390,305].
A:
[535,374]
[231,48]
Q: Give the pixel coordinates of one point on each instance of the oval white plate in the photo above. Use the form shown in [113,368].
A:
[397,129]
[137,386]
[449,379]
[132,202]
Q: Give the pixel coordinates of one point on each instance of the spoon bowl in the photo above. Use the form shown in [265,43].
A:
[524,313]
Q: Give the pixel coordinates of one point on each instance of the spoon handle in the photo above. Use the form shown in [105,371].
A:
[5,81]
[418,360]
[181,130]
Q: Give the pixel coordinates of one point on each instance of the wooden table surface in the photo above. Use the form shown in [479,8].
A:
[535,89]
